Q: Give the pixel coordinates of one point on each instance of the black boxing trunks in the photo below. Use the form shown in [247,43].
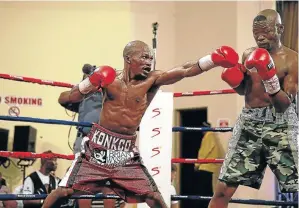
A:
[110,160]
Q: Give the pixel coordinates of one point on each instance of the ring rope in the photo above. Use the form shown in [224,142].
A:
[62,84]
[173,197]
[32,155]
[205,92]
[71,157]
[87,124]
[35,80]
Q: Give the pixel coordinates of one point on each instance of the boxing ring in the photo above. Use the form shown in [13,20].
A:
[30,155]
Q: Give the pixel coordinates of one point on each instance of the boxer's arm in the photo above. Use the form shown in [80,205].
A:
[63,100]
[285,97]
[224,56]
[74,95]
[176,74]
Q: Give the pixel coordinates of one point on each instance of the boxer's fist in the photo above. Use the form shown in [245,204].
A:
[101,77]
[224,56]
[234,75]
[262,61]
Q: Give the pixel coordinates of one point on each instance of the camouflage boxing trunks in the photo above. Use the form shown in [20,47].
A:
[262,137]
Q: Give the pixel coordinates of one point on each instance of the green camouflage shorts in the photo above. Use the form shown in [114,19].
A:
[260,138]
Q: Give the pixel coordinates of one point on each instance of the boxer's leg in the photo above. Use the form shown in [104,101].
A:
[244,163]
[57,197]
[155,200]
[109,202]
[281,149]
[83,203]
[222,195]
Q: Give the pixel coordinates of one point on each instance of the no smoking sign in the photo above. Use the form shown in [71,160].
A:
[14,111]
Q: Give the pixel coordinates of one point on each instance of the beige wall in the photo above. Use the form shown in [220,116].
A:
[50,40]
[53,41]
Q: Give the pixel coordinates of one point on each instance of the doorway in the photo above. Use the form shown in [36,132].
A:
[193,182]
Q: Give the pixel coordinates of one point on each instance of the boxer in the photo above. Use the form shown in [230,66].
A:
[109,157]
[266,131]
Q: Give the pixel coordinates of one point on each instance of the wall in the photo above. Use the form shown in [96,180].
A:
[52,40]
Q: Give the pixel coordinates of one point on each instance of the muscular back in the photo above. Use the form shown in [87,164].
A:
[125,104]
[255,94]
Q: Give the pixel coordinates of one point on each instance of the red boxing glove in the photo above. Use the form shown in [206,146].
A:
[234,75]
[224,56]
[101,77]
[262,61]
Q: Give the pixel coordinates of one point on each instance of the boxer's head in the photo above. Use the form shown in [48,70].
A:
[138,58]
[267,29]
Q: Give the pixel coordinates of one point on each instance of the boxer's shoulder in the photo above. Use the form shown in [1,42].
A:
[291,54]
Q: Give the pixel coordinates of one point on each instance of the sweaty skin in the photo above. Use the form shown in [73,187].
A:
[126,100]
[267,29]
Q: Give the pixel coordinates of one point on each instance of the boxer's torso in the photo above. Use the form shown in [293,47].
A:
[125,103]
[255,94]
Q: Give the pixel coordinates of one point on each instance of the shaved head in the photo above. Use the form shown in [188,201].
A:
[137,60]
[133,47]
[267,29]
[269,15]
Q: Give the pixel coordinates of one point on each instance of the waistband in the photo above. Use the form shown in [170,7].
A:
[268,114]
[111,140]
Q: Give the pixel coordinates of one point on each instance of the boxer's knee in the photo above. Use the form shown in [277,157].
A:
[155,200]
[222,195]
[224,190]
[62,192]
[56,197]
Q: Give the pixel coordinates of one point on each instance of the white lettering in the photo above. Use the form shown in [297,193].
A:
[121,145]
[128,145]
[107,141]
[101,138]
[113,146]
[111,142]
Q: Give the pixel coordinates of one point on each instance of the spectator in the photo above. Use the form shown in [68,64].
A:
[212,149]
[19,190]
[10,203]
[40,182]
[88,109]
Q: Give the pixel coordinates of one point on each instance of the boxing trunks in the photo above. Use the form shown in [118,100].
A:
[262,137]
[111,160]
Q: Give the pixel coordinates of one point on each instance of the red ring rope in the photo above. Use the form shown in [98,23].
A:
[34,80]
[62,84]
[29,155]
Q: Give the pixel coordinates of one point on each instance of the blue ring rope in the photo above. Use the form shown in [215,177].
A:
[87,124]
[173,197]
